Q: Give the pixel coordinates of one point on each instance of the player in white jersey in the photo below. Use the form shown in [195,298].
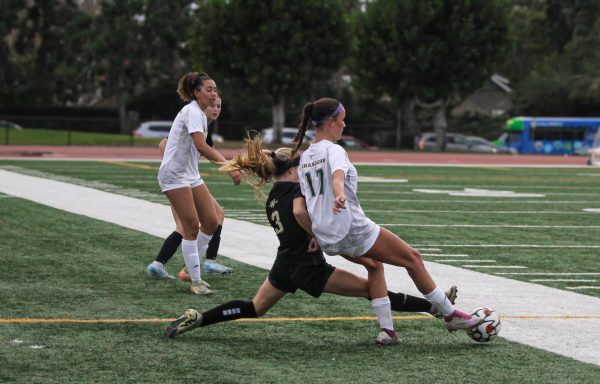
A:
[179,177]
[157,269]
[329,184]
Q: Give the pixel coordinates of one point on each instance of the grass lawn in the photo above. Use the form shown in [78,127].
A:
[58,265]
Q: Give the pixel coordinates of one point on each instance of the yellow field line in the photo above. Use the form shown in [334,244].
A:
[128,165]
[142,166]
[492,168]
[266,319]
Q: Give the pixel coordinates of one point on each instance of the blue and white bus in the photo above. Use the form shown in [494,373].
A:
[551,135]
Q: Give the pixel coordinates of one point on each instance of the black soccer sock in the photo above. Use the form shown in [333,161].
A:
[407,303]
[169,247]
[233,310]
[213,244]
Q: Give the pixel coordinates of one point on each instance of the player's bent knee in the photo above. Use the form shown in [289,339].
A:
[414,260]
[372,265]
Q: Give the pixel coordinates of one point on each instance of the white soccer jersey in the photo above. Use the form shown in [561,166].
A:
[179,165]
[335,232]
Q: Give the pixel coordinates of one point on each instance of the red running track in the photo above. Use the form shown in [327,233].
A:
[378,156]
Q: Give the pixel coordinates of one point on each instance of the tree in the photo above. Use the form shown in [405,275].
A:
[434,52]
[530,43]
[582,54]
[556,66]
[138,44]
[47,52]
[272,47]
[8,21]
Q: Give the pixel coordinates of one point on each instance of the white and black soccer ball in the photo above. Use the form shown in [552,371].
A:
[489,326]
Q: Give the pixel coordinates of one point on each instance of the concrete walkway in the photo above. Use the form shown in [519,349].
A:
[562,322]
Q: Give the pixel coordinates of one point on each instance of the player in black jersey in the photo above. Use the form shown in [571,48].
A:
[299,264]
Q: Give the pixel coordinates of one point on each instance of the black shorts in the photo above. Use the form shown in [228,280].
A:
[308,278]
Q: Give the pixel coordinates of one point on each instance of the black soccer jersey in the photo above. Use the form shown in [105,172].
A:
[293,240]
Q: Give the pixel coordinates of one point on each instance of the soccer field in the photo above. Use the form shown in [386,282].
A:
[534,225]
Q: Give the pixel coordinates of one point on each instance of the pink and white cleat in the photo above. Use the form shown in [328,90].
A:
[387,337]
[460,320]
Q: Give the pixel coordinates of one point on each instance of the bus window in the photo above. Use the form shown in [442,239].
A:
[546,133]
[574,134]
[513,138]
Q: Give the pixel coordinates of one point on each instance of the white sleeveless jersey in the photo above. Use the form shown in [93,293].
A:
[180,161]
[350,227]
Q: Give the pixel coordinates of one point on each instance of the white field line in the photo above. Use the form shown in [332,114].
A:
[260,244]
[430,249]
[504,202]
[591,246]
[586,211]
[262,217]
[563,280]
[493,266]
[580,287]
[474,165]
[589,174]
[445,254]
[465,261]
[544,187]
[370,179]
[491,226]
[418,190]
[550,273]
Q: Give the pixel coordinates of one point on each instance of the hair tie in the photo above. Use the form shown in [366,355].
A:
[316,123]
[273,154]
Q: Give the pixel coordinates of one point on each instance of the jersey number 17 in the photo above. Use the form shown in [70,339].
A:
[309,181]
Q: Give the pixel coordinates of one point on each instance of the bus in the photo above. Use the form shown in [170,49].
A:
[594,158]
[550,135]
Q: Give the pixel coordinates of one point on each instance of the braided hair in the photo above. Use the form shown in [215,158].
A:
[316,112]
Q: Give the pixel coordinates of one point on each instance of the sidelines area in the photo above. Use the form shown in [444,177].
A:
[563,322]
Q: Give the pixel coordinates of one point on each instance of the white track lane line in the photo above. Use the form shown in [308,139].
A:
[506,296]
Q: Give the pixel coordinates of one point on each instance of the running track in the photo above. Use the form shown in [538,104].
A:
[376,156]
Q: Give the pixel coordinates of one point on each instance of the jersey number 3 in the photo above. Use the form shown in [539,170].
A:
[278,227]
[309,181]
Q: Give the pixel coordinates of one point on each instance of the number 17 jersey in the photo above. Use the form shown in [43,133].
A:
[344,232]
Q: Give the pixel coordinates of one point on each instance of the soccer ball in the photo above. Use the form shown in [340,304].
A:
[488,328]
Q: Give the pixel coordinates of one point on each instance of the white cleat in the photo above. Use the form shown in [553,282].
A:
[213,266]
[158,271]
[387,337]
[201,288]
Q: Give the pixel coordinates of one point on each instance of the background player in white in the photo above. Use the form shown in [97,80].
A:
[329,183]
[179,177]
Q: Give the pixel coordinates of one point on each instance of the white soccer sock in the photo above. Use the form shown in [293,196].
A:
[383,310]
[438,298]
[192,260]
[202,244]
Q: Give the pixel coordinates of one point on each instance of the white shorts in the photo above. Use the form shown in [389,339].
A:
[180,183]
[354,245]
